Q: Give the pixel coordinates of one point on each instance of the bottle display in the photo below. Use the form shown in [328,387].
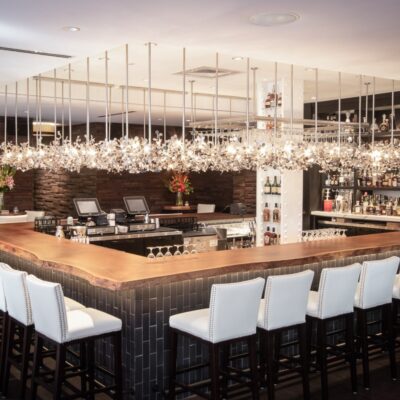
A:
[266,213]
[276,214]
[267,186]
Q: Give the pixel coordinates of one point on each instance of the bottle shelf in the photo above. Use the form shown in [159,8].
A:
[338,187]
[391,188]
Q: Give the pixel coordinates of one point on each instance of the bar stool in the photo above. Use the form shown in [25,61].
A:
[374,292]
[231,317]
[284,307]
[396,304]
[19,314]
[62,328]
[334,299]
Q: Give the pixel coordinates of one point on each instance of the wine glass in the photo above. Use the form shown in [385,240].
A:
[168,253]
[177,251]
[151,254]
[185,250]
[193,251]
[159,254]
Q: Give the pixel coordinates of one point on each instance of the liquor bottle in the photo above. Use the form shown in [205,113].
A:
[357,208]
[394,181]
[384,126]
[278,187]
[328,180]
[274,186]
[267,237]
[276,214]
[267,186]
[268,101]
[274,236]
[266,213]
[341,180]
[365,203]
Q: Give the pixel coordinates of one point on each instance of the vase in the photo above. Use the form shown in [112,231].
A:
[1,200]
[179,199]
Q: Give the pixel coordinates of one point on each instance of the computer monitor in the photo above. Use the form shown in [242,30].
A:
[87,207]
[136,205]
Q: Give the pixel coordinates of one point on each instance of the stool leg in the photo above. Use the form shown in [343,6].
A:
[277,346]
[263,358]
[59,373]
[363,336]
[309,330]
[269,339]
[91,361]
[26,344]
[304,359]
[390,339]
[37,355]
[253,366]
[117,339]
[3,349]
[83,366]
[225,365]
[8,354]
[214,370]
[172,364]
[321,356]
[350,350]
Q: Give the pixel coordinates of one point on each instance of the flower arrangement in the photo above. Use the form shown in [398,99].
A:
[6,178]
[180,184]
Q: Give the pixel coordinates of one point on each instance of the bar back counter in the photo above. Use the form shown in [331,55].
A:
[145,292]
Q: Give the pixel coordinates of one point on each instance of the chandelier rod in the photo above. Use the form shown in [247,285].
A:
[28,130]
[276,98]
[144,113]
[69,104]
[127,90]
[5,113]
[87,100]
[366,100]
[37,111]
[106,89]
[122,112]
[165,115]
[291,98]
[191,101]
[62,112]
[340,110]
[40,110]
[392,117]
[149,60]
[373,112]
[216,96]
[254,69]
[109,111]
[316,106]
[183,96]
[247,99]
[55,103]
[16,113]
[360,111]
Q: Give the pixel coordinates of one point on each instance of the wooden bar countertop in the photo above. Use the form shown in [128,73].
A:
[117,270]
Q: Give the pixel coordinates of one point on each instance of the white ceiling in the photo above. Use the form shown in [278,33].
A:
[353,36]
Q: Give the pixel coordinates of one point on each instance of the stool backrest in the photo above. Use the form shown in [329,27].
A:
[17,296]
[337,287]
[286,299]
[234,309]
[32,214]
[48,308]
[3,303]
[376,282]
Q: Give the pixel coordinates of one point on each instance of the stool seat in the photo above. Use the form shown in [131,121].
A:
[196,323]
[396,287]
[71,305]
[90,322]
[313,304]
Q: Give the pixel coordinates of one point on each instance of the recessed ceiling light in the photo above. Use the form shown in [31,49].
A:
[71,29]
[274,19]
[238,58]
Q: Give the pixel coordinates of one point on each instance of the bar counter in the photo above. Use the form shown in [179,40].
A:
[144,292]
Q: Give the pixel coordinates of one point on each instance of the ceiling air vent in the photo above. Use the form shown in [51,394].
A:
[115,114]
[36,53]
[208,72]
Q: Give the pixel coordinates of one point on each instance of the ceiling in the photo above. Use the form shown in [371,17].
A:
[354,37]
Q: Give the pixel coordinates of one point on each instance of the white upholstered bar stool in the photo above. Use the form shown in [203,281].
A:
[284,307]
[374,292]
[32,214]
[396,305]
[19,314]
[232,316]
[62,328]
[334,299]
[205,208]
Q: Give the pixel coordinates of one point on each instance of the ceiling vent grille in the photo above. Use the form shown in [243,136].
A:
[36,53]
[208,72]
[116,114]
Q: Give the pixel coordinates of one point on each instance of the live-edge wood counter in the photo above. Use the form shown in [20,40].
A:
[144,293]
[116,270]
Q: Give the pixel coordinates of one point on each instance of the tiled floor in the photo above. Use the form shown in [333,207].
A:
[382,387]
